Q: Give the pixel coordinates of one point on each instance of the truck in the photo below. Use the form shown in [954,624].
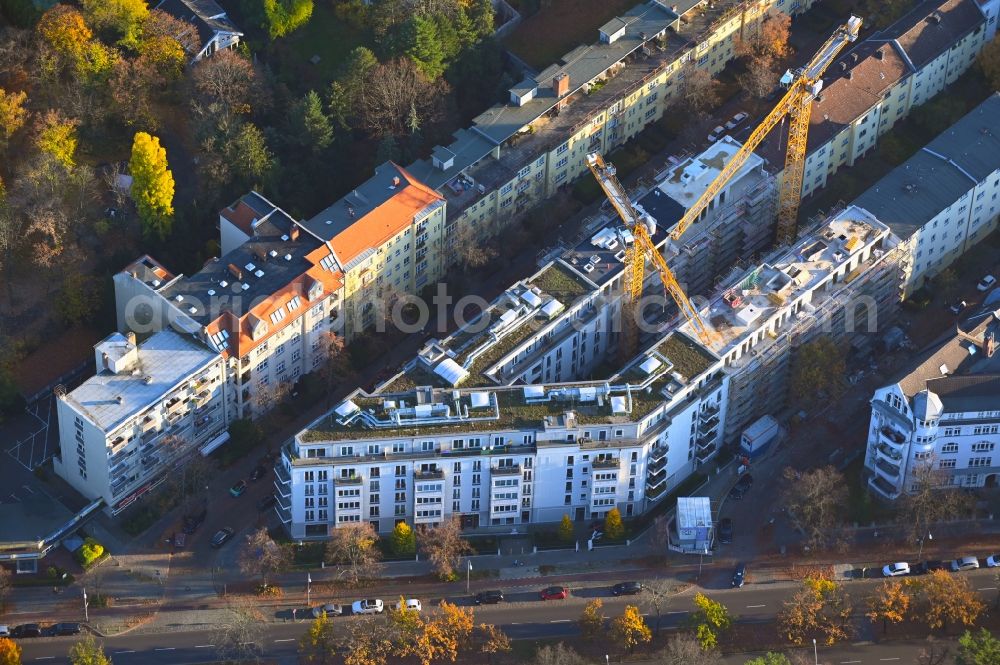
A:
[758,436]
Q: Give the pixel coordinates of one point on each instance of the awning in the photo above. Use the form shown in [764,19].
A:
[346,408]
[650,365]
[209,447]
[451,371]
[552,308]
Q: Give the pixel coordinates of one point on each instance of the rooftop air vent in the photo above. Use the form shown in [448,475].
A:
[192,310]
[259,274]
[273,253]
[223,283]
[250,267]
[155,283]
[284,238]
[147,379]
[245,287]
[288,257]
[211,292]
[178,298]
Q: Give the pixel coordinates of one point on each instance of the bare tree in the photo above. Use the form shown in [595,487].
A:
[396,94]
[657,594]
[355,546]
[262,557]
[110,177]
[558,654]
[684,649]
[697,90]
[232,81]
[469,251]
[930,500]
[814,500]
[444,546]
[934,653]
[239,636]
[760,77]
[4,585]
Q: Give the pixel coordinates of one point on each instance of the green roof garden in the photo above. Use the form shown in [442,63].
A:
[561,283]
[689,359]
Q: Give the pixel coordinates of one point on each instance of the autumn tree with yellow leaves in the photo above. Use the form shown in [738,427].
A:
[890,603]
[492,641]
[820,608]
[630,629]
[710,619]
[949,599]
[56,135]
[591,621]
[10,652]
[152,185]
[13,115]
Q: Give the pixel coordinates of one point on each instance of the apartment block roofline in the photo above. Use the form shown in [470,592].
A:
[930,28]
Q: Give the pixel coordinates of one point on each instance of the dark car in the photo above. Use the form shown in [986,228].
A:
[221,537]
[626,588]
[725,530]
[739,576]
[26,630]
[489,597]
[258,472]
[741,487]
[266,502]
[239,488]
[194,520]
[66,629]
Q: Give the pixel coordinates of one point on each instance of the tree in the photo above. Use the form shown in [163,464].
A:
[978,649]
[684,649]
[656,596]
[424,46]
[821,608]
[591,621]
[710,619]
[566,531]
[817,371]
[934,653]
[814,500]
[759,78]
[239,634]
[355,546]
[10,652]
[558,654]
[284,16]
[13,115]
[492,641]
[890,603]
[161,24]
[613,527]
[231,81]
[64,31]
[443,635]
[444,546]
[123,18]
[630,629]
[949,599]
[481,14]
[929,500]
[469,250]
[697,90]
[404,540]
[88,651]
[369,642]
[319,645]
[769,40]
[5,585]
[152,184]
[248,154]
[989,63]
[56,135]
[262,557]
[394,91]
[309,125]
[770,658]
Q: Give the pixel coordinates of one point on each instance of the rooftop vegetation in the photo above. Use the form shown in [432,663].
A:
[689,359]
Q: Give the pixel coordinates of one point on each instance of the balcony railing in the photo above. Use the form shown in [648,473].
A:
[509,470]
[657,464]
[706,426]
[704,455]
[428,474]
[348,480]
[889,453]
[708,412]
[892,435]
[889,470]
[658,452]
[883,487]
[606,463]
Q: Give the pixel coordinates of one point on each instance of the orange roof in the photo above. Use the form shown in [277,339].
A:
[385,221]
[241,215]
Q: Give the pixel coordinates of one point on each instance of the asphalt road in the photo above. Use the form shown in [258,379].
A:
[522,616]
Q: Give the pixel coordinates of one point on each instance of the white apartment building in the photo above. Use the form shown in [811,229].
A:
[149,408]
[876,84]
[267,307]
[944,199]
[452,435]
[944,415]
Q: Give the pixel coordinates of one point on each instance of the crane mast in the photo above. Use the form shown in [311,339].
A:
[802,87]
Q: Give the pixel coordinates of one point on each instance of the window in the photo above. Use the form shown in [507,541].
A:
[982,447]
[980,461]
[950,447]
[946,464]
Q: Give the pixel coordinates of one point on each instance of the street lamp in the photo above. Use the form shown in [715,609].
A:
[86,610]
[309,581]
[468,575]
[815,652]
[607,660]
[701,560]
[920,552]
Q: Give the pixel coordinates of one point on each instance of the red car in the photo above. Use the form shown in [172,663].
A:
[554,593]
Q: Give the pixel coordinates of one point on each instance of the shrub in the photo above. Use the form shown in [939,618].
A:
[89,552]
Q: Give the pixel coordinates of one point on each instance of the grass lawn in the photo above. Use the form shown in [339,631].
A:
[324,35]
[557,29]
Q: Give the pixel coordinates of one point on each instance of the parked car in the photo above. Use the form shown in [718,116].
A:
[26,630]
[742,486]
[4,631]
[266,502]
[958,307]
[239,488]
[221,537]
[986,283]
[258,472]
[554,593]
[367,606]
[193,520]
[737,120]
[739,577]
[411,604]
[331,610]
[726,530]
[489,597]
[964,563]
[627,588]
[993,561]
[63,629]
[179,540]
[716,134]
[896,569]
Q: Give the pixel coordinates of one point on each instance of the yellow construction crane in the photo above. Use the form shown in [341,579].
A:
[802,87]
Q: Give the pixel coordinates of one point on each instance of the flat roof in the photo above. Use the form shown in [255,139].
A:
[26,523]
[694,512]
[165,359]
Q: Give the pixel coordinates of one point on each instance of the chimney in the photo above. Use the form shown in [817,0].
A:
[236,272]
[850,74]
[560,84]
[294,233]
[119,399]
[261,254]
[879,54]
[395,182]
[104,360]
[854,57]
[131,338]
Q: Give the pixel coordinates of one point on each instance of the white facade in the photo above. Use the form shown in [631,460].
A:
[149,408]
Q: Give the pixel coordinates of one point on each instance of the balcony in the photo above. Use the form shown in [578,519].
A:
[281,474]
[658,452]
[889,453]
[708,425]
[707,413]
[883,487]
[508,470]
[657,465]
[704,455]
[428,474]
[887,469]
[606,463]
[892,435]
[705,442]
[656,478]
[150,435]
[348,480]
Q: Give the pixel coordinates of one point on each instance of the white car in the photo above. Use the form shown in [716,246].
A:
[4,631]
[986,283]
[964,563]
[993,561]
[411,604]
[737,120]
[896,569]
[716,134]
[367,606]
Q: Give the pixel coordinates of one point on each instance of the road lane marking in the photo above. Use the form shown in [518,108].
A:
[845,662]
[560,621]
[756,605]
[203,646]
[896,658]
[126,651]
[165,649]
[45,658]
[988,588]
[287,639]
[678,612]
[515,623]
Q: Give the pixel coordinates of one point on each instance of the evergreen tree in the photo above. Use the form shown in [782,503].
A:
[481,13]
[424,46]
[311,126]
[388,150]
